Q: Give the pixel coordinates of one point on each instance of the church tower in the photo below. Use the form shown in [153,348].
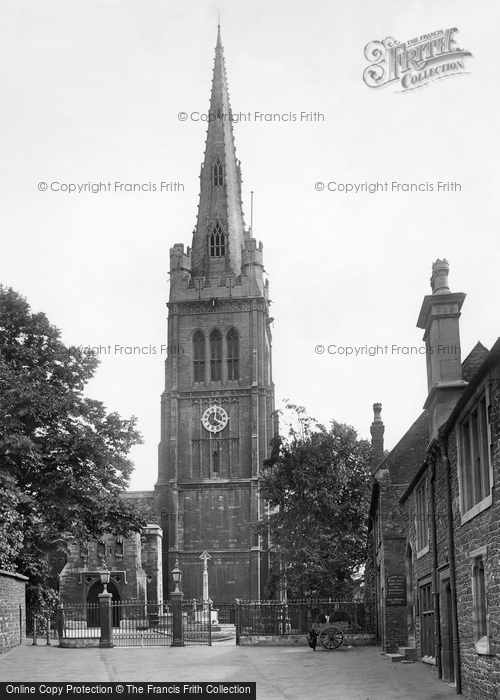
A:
[217,408]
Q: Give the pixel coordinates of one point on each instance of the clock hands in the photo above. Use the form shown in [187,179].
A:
[215,419]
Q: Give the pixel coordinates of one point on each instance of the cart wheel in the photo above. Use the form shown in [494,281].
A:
[331,638]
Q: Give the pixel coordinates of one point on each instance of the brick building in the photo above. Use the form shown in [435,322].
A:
[217,408]
[448,513]
[391,551]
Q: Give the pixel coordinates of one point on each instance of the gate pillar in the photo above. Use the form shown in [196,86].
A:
[106,618]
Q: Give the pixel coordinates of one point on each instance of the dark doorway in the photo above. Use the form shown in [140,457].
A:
[410,603]
[427,640]
[93,619]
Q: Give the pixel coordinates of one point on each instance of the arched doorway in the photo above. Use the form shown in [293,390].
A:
[93,619]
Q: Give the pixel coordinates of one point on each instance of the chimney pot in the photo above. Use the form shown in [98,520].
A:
[439,278]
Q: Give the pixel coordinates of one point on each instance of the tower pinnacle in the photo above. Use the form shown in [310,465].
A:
[219,234]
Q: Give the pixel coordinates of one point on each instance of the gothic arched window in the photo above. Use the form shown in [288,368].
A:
[233,355]
[217,242]
[199,356]
[215,356]
[218,173]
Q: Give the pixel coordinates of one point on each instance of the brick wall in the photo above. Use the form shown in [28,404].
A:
[391,528]
[480,673]
[12,609]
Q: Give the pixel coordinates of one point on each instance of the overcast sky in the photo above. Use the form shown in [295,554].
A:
[91,92]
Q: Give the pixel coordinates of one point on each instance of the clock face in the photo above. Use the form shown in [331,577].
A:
[215,419]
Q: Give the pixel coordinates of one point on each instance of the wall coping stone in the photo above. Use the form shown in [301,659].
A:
[3,572]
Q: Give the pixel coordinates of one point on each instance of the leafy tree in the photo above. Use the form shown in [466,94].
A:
[316,483]
[63,458]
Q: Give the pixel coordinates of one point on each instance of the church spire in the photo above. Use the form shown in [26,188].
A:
[219,234]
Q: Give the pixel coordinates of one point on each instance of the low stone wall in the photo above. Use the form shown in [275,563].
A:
[357,639]
[12,609]
[78,642]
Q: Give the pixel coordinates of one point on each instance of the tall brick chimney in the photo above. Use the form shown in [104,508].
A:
[439,318]
[377,430]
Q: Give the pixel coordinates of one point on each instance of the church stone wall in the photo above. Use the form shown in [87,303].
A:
[123,559]
[216,518]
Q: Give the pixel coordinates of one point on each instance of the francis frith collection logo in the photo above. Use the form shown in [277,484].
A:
[416,63]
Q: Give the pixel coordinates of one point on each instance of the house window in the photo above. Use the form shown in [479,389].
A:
[427,621]
[233,351]
[422,515]
[199,356]
[479,602]
[475,477]
[215,356]
[217,242]
[218,173]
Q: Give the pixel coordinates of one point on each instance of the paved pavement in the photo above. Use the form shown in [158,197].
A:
[281,673]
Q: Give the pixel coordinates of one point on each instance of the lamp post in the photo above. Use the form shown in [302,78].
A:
[105,610]
[176,597]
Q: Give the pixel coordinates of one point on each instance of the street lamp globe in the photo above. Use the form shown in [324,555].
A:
[104,574]
[177,576]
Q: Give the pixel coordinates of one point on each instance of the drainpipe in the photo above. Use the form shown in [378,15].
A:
[451,556]
[375,580]
[437,617]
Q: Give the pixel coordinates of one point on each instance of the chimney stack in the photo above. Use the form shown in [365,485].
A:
[377,430]
[439,318]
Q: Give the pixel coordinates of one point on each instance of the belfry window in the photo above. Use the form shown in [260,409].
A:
[218,173]
[215,356]
[217,242]
[199,356]
[233,352]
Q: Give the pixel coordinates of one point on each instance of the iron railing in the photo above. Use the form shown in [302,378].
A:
[151,624]
[41,623]
[141,624]
[269,617]
[226,612]
[134,623]
[196,622]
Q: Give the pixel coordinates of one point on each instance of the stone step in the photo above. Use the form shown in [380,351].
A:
[393,658]
[410,653]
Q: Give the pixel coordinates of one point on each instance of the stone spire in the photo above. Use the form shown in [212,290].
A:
[219,234]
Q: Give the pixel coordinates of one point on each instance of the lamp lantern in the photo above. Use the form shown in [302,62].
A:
[177,576]
[105,575]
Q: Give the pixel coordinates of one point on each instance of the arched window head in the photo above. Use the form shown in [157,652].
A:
[215,356]
[199,356]
[217,242]
[233,355]
[218,173]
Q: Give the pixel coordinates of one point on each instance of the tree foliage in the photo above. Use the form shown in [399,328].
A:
[63,458]
[316,483]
